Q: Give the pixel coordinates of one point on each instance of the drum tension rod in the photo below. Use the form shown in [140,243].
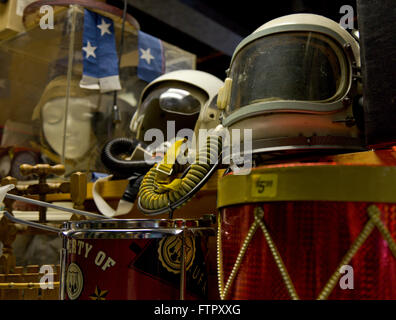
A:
[53,206]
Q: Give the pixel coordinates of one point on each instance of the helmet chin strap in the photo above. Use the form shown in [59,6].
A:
[123,206]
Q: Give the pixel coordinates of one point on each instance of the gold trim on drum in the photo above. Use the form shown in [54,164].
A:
[309,182]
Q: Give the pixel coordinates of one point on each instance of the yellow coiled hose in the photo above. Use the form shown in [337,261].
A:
[154,195]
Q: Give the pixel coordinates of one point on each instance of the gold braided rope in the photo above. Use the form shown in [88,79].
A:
[329,286]
[223,290]
[374,221]
[258,211]
[219,258]
[374,213]
[258,216]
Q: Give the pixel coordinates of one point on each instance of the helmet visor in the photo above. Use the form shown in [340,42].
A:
[170,103]
[179,101]
[300,66]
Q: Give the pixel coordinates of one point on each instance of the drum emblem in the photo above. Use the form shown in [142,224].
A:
[170,252]
[74,281]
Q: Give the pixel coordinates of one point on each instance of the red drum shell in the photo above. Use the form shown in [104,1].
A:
[115,266]
[312,237]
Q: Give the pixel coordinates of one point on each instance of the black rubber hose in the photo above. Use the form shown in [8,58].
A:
[132,190]
[153,197]
[111,158]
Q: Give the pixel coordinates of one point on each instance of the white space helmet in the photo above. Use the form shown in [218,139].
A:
[294,82]
[178,96]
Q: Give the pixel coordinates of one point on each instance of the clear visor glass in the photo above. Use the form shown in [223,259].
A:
[301,66]
[179,101]
[169,103]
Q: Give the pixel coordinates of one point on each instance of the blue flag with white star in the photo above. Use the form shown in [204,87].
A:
[100,59]
[151,57]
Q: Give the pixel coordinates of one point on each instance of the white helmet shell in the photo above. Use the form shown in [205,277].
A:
[255,93]
[202,80]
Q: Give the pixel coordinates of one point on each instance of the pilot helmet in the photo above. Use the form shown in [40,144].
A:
[295,81]
[177,97]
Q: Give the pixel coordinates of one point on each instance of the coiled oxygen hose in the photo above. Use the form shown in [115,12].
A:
[111,158]
[158,195]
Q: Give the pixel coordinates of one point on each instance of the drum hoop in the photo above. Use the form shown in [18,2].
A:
[121,234]
[114,234]
[128,224]
[309,182]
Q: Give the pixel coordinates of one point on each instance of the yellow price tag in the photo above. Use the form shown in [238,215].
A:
[264,185]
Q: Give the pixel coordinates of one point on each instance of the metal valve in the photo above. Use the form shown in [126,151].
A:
[42,169]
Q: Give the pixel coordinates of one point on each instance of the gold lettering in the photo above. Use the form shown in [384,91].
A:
[74,246]
[88,248]
[80,246]
[109,263]
[100,258]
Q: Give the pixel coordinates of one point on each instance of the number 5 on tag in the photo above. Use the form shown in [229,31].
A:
[264,185]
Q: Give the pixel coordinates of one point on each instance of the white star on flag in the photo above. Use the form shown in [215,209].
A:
[90,50]
[104,28]
[146,55]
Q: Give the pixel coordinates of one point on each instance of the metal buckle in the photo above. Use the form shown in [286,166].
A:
[168,173]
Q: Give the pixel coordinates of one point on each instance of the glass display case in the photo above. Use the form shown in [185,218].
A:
[46,115]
